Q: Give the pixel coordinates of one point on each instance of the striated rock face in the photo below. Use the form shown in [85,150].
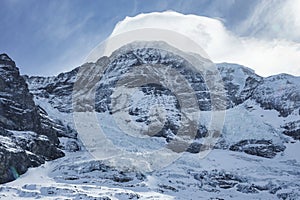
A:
[101,171]
[121,63]
[26,138]
[150,94]
[20,150]
[262,148]
[240,82]
[292,129]
[58,90]
[280,92]
[246,93]
[18,111]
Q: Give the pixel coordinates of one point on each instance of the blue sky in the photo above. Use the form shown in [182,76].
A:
[50,36]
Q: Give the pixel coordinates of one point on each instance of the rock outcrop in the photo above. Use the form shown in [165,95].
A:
[26,140]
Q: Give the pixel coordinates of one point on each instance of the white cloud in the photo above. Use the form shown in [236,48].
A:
[274,19]
[264,56]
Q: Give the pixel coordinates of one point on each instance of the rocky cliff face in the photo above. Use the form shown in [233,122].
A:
[240,82]
[27,139]
[247,96]
[58,90]
[280,92]
[18,111]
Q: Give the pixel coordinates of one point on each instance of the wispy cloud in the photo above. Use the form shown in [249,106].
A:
[274,19]
[62,21]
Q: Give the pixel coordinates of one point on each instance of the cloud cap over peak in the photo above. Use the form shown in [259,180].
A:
[266,57]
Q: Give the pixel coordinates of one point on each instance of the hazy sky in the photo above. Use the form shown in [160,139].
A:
[51,36]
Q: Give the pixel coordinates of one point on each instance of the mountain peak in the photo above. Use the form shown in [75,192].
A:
[6,60]
[4,56]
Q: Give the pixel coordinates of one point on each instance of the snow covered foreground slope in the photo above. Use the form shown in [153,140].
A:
[255,157]
[221,175]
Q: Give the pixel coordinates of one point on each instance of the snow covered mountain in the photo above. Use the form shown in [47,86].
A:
[245,91]
[255,156]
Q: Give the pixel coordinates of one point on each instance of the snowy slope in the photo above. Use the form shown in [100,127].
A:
[222,174]
[255,156]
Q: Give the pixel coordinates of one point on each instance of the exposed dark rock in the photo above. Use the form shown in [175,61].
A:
[122,178]
[201,132]
[123,62]
[17,109]
[35,141]
[71,146]
[58,90]
[288,196]
[239,82]
[246,188]
[167,187]
[220,179]
[262,148]
[226,184]
[19,152]
[292,129]
[13,164]
[195,147]
[61,130]
[127,195]
[280,92]
[6,60]
[99,170]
